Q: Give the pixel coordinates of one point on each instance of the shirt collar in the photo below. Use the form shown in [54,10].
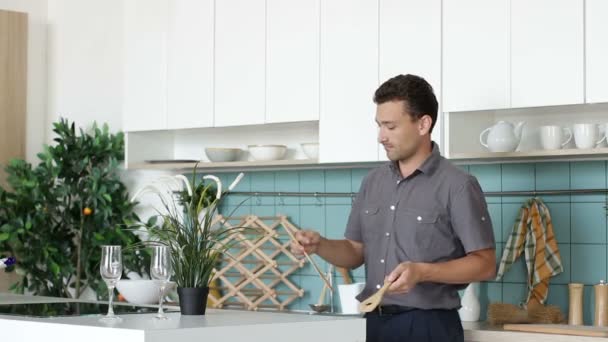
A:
[427,167]
[430,164]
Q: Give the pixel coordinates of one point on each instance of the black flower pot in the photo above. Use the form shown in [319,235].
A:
[193,300]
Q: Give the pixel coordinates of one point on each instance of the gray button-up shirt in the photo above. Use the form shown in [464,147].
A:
[436,214]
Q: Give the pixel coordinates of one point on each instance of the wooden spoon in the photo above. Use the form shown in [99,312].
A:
[320,307]
[372,301]
[314,264]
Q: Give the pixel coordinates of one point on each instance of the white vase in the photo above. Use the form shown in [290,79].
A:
[469,312]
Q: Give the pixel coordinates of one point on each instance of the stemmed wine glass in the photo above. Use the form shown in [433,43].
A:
[160,270]
[111,271]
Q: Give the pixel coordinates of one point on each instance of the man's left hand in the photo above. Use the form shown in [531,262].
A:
[404,277]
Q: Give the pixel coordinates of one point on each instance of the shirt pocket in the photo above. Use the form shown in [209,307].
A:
[420,235]
[372,223]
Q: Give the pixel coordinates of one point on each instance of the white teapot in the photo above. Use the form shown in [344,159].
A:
[502,137]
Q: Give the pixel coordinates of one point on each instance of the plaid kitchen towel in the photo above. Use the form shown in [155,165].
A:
[533,233]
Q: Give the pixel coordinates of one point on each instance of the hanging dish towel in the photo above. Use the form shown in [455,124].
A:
[533,233]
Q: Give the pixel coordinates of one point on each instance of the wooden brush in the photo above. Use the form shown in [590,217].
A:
[500,313]
[546,314]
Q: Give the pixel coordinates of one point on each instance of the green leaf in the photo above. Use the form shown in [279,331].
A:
[107,197]
[4,236]
[55,268]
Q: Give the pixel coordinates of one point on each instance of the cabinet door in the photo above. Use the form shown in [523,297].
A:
[416,25]
[145,77]
[292,62]
[349,77]
[475,55]
[190,64]
[596,50]
[546,52]
[240,62]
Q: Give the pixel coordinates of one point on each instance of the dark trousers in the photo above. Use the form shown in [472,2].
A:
[414,326]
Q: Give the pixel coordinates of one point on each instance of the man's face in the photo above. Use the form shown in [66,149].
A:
[397,131]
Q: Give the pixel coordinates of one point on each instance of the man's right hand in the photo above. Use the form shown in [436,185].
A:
[309,242]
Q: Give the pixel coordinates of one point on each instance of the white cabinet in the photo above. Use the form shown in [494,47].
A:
[476,54]
[292,60]
[410,43]
[190,64]
[547,50]
[240,53]
[349,77]
[145,77]
[596,50]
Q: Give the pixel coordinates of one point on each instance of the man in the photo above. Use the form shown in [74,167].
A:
[418,222]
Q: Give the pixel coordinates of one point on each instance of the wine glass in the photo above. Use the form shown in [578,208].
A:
[111,271]
[160,270]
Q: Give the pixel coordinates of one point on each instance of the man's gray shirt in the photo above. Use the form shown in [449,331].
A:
[436,214]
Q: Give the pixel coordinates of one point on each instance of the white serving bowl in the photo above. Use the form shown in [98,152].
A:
[311,150]
[222,154]
[141,291]
[267,152]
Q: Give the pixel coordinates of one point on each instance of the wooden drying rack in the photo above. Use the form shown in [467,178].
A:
[255,273]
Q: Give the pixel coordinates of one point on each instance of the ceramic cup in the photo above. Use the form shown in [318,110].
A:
[604,132]
[348,292]
[586,135]
[552,137]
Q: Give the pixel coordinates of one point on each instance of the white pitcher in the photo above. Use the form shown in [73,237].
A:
[502,137]
[469,312]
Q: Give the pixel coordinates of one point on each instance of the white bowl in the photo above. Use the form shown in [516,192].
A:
[141,291]
[267,152]
[221,154]
[311,150]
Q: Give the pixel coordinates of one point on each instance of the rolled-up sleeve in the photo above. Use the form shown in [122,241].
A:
[470,218]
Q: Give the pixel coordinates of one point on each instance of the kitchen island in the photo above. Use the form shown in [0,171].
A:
[222,326]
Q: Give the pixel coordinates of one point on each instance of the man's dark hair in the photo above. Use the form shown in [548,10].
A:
[415,91]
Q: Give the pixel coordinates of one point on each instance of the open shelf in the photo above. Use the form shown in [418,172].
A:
[205,165]
[544,155]
[189,145]
[463,130]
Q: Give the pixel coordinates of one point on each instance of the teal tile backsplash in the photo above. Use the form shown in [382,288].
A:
[579,221]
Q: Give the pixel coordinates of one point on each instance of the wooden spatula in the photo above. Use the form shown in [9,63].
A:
[372,301]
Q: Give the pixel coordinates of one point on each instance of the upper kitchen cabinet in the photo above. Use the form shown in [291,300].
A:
[410,43]
[240,59]
[596,50]
[190,64]
[547,52]
[475,54]
[349,77]
[145,70]
[292,60]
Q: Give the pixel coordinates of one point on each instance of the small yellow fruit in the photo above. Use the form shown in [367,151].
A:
[87,211]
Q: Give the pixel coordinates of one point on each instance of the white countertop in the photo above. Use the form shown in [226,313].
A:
[222,325]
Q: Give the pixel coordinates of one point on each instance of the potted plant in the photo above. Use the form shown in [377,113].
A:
[55,215]
[186,225]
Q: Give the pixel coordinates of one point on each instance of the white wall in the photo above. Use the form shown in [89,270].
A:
[85,61]
[36,121]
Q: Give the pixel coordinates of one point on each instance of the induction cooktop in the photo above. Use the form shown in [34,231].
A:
[71,309]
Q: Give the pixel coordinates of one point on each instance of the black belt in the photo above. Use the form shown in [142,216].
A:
[387,310]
